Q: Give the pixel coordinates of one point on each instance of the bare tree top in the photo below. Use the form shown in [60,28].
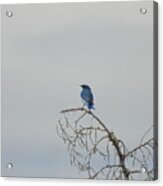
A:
[97,151]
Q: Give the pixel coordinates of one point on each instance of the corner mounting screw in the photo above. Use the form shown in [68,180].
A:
[9,165]
[143,10]
[9,13]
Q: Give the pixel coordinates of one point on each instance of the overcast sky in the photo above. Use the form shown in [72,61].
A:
[47,52]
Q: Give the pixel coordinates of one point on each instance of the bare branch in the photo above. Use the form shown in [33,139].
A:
[94,149]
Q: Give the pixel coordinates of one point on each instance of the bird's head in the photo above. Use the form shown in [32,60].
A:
[85,86]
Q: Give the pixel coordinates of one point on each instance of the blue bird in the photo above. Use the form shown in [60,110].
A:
[87,96]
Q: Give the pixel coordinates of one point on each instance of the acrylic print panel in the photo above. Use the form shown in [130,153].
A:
[79,90]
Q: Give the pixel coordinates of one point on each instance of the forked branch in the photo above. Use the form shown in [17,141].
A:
[94,149]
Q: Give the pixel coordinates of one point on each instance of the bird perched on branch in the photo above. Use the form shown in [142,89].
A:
[87,96]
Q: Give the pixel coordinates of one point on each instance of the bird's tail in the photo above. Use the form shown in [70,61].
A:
[91,106]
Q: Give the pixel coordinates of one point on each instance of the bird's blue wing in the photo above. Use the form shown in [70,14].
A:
[87,96]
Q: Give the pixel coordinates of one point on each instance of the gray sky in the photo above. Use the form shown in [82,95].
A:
[48,50]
